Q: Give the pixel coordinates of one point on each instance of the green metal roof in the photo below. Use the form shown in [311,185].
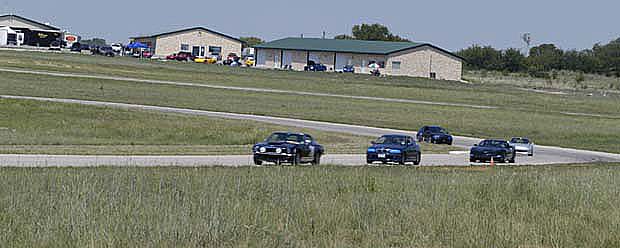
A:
[343,46]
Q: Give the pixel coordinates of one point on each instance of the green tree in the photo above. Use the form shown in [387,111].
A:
[376,32]
[252,41]
[608,57]
[343,37]
[512,60]
[478,57]
[94,42]
[545,57]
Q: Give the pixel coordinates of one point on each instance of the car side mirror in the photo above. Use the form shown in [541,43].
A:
[475,144]
[373,143]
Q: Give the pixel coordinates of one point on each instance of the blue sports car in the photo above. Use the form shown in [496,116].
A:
[285,147]
[394,148]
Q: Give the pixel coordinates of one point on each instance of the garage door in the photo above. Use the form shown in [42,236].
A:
[315,57]
[287,58]
[342,60]
[260,57]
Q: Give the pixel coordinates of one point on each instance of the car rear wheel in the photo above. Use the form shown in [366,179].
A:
[403,159]
[418,159]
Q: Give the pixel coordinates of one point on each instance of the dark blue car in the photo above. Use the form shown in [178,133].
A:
[498,150]
[394,149]
[312,66]
[286,147]
[435,135]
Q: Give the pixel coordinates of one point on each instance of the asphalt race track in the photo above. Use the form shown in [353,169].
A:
[543,154]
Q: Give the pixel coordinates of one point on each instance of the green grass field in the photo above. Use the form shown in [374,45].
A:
[544,128]
[560,206]
[31,127]
[506,95]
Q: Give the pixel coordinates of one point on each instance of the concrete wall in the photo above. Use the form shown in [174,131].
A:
[421,61]
[169,44]
[360,61]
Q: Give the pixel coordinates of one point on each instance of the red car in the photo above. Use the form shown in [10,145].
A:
[184,56]
[147,54]
[172,57]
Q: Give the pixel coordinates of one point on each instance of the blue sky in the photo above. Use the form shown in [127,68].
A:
[449,24]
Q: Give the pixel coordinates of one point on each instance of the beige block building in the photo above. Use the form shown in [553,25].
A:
[395,58]
[201,42]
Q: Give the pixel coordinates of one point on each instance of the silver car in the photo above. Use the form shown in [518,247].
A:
[523,145]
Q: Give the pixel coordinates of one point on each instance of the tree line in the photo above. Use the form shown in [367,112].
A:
[601,59]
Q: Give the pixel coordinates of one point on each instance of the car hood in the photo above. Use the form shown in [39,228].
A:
[487,149]
[277,144]
[389,146]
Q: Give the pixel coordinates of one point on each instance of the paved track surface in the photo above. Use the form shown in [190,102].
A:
[543,154]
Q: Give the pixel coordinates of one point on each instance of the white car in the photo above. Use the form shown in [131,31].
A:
[523,145]
[117,48]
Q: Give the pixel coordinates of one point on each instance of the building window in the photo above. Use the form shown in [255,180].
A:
[184,47]
[395,65]
[433,75]
[214,50]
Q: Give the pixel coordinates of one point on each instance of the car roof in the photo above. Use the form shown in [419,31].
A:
[289,133]
[396,135]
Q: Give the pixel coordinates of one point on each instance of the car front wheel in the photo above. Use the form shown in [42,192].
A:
[258,161]
[317,160]
[418,159]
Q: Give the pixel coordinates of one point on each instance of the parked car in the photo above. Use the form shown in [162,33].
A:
[249,61]
[498,150]
[105,51]
[523,145]
[185,56]
[117,48]
[55,45]
[312,66]
[394,148]
[147,54]
[348,69]
[232,59]
[76,47]
[172,57]
[435,135]
[200,60]
[286,147]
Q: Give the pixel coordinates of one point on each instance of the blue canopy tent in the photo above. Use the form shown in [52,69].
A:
[136,45]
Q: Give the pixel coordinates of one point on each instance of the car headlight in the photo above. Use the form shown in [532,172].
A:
[372,150]
[278,150]
[395,151]
[262,149]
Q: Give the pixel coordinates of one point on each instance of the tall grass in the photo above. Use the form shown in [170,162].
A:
[311,207]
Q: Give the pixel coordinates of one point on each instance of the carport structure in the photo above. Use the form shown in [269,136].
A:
[394,58]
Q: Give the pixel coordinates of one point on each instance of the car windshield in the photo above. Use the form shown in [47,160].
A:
[384,140]
[285,137]
[492,143]
[436,130]
[520,141]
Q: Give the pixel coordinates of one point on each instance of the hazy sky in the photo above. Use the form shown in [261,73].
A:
[449,24]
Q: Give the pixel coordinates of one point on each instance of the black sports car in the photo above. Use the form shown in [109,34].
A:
[498,150]
[394,148]
[434,134]
[285,147]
